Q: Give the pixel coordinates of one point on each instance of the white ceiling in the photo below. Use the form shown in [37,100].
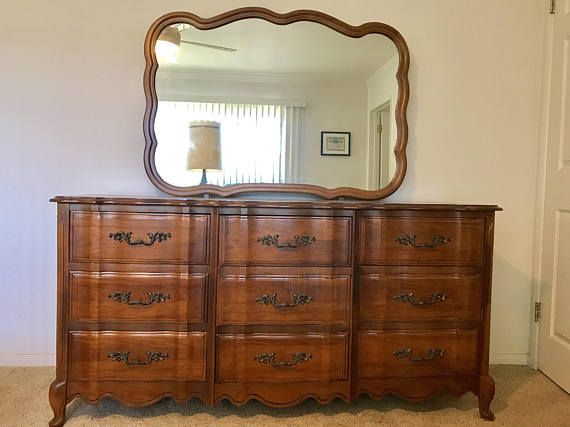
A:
[300,49]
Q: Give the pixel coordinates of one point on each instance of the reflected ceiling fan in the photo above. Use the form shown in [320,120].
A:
[170,39]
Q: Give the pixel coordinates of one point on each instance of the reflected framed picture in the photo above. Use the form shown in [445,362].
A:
[335,143]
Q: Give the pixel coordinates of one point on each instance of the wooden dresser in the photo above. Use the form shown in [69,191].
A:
[274,301]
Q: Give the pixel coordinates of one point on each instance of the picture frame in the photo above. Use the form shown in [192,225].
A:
[335,143]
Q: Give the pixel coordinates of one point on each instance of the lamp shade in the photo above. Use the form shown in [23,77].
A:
[205,146]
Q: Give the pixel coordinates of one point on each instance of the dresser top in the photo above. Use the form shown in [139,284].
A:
[265,203]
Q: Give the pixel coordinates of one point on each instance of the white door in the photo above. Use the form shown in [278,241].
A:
[385,173]
[554,329]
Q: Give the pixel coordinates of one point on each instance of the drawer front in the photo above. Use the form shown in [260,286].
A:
[137,356]
[437,241]
[137,297]
[413,297]
[416,353]
[282,240]
[139,237]
[282,357]
[283,300]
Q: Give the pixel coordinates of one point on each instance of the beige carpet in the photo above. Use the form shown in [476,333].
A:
[524,398]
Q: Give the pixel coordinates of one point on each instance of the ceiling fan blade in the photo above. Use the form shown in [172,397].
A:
[210,46]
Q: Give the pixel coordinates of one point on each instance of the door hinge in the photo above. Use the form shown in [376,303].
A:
[379,128]
[552,7]
[537,311]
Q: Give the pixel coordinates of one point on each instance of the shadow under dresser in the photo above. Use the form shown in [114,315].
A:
[276,301]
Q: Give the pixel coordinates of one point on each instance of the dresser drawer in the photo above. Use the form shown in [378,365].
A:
[139,237]
[137,356]
[435,241]
[282,357]
[285,240]
[137,297]
[283,300]
[417,353]
[387,297]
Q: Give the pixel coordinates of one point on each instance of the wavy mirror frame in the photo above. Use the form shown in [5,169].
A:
[279,19]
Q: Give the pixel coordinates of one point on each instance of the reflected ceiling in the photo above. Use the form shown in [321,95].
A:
[265,48]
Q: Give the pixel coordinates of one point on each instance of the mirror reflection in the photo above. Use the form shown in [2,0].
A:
[254,102]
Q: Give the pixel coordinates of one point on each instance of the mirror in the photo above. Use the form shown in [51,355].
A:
[238,105]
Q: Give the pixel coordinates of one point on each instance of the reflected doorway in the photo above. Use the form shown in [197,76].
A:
[380,173]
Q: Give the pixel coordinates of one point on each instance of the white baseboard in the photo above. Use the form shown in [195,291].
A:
[27,359]
[508,358]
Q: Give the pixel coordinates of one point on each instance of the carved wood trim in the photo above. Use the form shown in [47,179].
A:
[279,19]
[200,206]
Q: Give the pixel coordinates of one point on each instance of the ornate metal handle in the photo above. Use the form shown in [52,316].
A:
[151,357]
[410,298]
[126,236]
[296,359]
[272,300]
[407,353]
[436,240]
[302,240]
[151,298]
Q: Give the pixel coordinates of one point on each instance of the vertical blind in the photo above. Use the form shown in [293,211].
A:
[259,142]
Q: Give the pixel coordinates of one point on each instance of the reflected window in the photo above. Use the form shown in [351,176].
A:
[258,141]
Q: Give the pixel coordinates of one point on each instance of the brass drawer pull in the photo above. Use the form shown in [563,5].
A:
[298,241]
[151,298]
[151,357]
[272,300]
[407,353]
[296,359]
[410,298]
[126,236]
[436,240]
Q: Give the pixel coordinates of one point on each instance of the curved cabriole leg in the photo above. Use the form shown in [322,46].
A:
[58,401]
[486,393]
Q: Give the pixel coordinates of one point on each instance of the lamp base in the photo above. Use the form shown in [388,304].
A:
[204,179]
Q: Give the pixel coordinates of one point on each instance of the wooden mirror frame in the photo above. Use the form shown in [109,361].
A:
[279,19]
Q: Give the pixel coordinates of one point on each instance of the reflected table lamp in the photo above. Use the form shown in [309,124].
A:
[205,148]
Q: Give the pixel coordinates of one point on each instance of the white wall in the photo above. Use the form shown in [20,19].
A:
[331,105]
[71,123]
